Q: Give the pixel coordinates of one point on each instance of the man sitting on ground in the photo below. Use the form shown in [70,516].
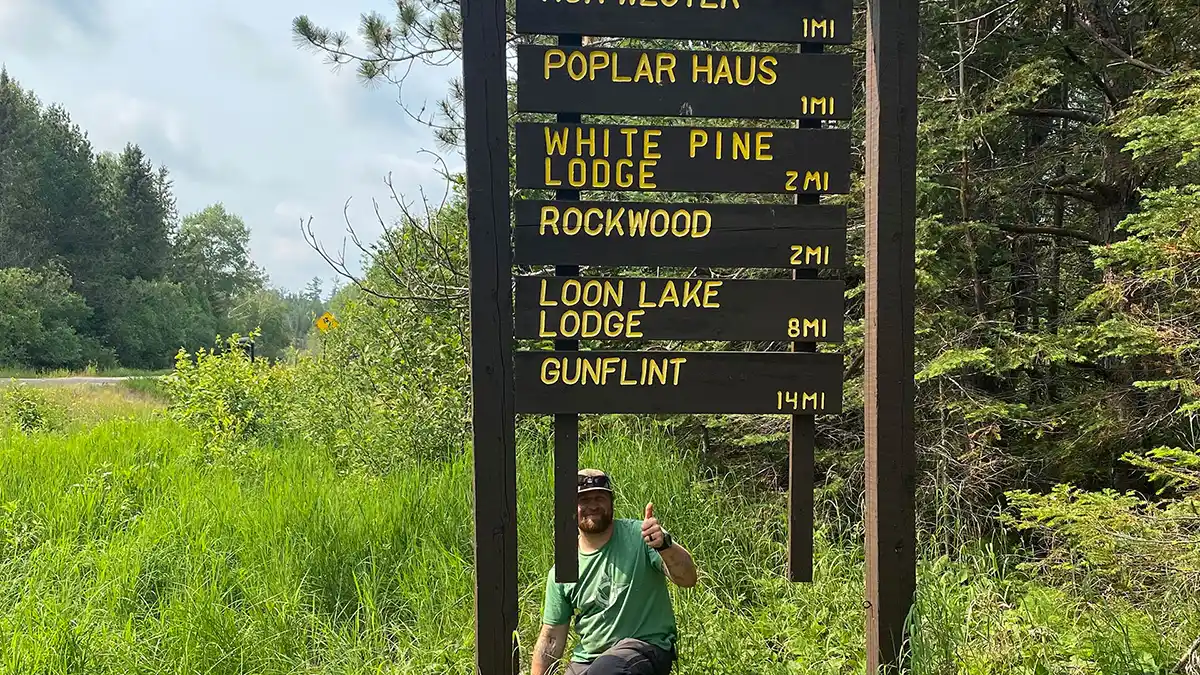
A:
[621,605]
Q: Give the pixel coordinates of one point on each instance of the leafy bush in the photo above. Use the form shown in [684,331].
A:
[225,397]
[1112,543]
[29,410]
[41,313]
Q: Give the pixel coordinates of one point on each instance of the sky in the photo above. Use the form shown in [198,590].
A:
[219,93]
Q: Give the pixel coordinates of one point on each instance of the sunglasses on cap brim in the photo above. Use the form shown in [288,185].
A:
[594,483]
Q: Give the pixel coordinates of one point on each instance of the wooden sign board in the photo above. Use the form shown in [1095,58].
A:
[597,81]
[631,308]
[779,383]
[682,158]
[793,21]
[647,234]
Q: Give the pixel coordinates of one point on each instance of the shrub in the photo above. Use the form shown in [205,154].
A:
[225,397]
[29,410]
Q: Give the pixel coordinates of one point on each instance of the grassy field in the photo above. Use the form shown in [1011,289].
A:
[126,547]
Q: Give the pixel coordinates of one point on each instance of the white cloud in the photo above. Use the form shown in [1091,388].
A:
[219,92]
[126,116]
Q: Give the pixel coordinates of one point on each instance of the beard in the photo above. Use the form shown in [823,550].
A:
[595,522]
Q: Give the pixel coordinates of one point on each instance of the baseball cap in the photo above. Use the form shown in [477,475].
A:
[591,480]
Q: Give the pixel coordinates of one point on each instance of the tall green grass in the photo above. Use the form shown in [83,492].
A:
[124,548]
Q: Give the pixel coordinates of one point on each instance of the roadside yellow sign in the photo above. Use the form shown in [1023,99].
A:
[326,322]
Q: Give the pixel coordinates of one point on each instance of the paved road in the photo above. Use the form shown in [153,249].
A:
[65,381]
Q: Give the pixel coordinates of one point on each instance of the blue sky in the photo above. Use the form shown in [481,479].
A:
[218,91]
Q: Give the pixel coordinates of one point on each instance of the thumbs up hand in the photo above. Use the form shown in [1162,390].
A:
[652,532]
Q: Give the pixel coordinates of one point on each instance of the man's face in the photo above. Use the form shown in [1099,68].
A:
[595,512]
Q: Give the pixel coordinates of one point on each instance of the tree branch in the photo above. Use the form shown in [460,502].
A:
[1076,115]
[1099,81]
[1115,49]
[1053,231]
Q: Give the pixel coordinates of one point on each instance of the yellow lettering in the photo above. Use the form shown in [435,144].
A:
[666,223]
[629,134]
[706,68]
[815,177]
[656,372]
[589,141]
[550,217]
[681,223]
[649,144]
[762,145]
[723,71]
[624,381]
[599,60]
[577,67]
[766,69]
[614,294]
[821,253]
[566,374]
[817,325]
[543,301]
[571,292]
[698,139]
[711,288]
[613,222]
[556,141]
[551,181]
[642,296]
[624,175]
[550,370]
[568,324]
[593,369]
[691,293]
[555,58]
[632,322]
[644,69]
[542,332]
[751,72]
[597,227]
[572,228]
[669,294]
[598,221]
[666,66]
[616,75]
[741,140]
[610,366]
[645,175]
[638,221]
[593,293]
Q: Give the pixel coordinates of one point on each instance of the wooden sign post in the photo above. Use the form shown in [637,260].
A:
[572,165]
[891,210]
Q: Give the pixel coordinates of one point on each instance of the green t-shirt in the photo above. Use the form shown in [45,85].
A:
[621,593]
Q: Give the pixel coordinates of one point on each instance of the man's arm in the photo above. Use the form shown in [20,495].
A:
[549,649]
[680,567]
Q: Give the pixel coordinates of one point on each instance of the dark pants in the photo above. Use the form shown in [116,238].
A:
[627,657]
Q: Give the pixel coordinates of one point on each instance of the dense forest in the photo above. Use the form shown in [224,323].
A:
[96,266]
[1058,262]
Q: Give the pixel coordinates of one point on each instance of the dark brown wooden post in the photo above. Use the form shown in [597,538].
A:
[802,441]
[493,411]
[891,158]
[566,426]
